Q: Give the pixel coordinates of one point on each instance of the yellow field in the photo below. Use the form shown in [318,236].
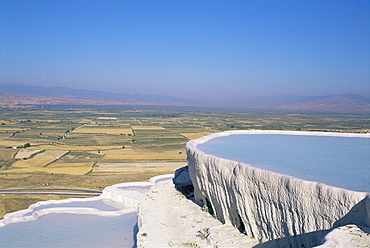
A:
[84,121]
[147,127]
[34,162]
[155,156]
[70,168]
[64,170]
[71,165]
[7,154]
[13,175]
[115,131]
[7,122]
[3,129]
[79,170]
[56,168]
[8,143]
[194,135]
[76,148]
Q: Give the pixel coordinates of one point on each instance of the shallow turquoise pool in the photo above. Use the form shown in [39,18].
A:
[338,161]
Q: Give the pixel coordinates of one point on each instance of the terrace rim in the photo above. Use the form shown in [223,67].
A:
[252,199]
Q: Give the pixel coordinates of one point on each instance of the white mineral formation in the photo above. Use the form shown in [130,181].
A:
[275,209]
[347,237]
[124,196]
[166,218]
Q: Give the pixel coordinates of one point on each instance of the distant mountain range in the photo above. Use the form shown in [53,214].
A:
[342,102]
[336,103]
[63,95]
[14,94]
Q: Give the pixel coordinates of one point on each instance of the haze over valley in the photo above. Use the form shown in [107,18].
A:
[14,95]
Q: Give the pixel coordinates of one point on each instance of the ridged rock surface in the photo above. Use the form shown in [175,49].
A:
[275,209]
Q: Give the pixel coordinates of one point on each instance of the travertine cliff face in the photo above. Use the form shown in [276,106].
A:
[276,209]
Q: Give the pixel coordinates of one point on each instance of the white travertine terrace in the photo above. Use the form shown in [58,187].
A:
[272,209]
[275,209]
[124,196]
[167,219]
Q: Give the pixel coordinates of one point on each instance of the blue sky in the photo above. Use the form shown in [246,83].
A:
[212,50]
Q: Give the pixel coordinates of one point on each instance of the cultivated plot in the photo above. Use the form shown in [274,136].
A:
[26,153]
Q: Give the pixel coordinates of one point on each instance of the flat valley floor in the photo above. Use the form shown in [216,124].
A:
[93,147]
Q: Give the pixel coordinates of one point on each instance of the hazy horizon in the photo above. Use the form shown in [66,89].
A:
[214,51]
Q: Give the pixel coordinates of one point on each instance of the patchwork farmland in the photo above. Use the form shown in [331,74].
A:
[96,147]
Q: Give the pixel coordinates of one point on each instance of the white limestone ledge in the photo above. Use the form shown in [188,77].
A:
[347,237]
[166,218]
[275,209]
[124,196]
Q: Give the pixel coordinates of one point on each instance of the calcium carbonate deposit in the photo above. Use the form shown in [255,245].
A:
[232,204]
[277,210]
[109,220]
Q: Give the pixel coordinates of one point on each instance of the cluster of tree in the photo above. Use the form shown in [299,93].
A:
[23,146]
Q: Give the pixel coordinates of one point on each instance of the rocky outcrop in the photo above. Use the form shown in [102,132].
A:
[183,182]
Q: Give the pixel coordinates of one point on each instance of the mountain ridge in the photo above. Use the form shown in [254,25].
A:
[93,95]
[16,94]
[339,103]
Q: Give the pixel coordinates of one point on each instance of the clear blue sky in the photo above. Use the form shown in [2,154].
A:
[215,50]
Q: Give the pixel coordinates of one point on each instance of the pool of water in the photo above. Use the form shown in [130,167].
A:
[109,220]
[71,230]
[338,161]
[99,204]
